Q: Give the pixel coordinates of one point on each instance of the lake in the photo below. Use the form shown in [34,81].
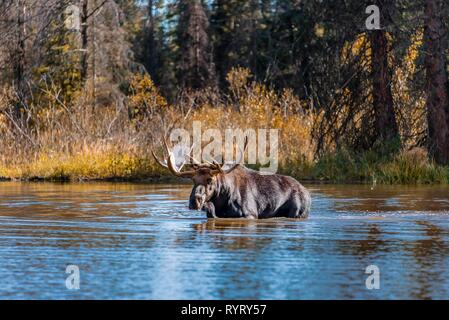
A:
[140,241]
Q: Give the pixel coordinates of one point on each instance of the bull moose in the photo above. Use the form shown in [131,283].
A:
[240,192]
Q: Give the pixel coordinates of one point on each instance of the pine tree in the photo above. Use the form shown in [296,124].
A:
[196,69]
[236,35]
[60,63]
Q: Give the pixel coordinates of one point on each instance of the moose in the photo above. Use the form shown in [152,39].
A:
[240,192]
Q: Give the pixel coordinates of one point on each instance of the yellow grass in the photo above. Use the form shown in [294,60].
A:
[75,142]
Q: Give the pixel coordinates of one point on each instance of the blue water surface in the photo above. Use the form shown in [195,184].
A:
[140,241]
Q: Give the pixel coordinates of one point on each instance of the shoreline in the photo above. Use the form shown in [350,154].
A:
[405,168]
[161,179]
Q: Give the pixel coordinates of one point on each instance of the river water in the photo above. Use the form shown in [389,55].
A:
[140,241]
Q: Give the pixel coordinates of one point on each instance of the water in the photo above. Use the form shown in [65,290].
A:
[139,241]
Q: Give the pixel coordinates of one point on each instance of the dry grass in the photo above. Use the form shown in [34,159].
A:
[74,141]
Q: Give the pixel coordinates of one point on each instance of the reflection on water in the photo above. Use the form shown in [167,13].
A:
[140,241]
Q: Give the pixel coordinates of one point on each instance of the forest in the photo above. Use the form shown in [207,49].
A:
[89,87]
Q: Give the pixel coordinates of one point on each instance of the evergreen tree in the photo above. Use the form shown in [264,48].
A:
[60,63]
[236,35]
[196,69]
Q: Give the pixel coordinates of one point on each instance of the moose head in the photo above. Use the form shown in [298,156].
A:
[206,176]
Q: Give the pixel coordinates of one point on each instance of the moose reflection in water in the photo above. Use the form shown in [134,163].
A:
[239,192]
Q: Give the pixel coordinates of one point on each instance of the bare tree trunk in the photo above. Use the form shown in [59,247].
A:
[385,119]
[19,59]
[437,103]
[84,39]
[254,34]
[88,57]
[150,45]
[94,57]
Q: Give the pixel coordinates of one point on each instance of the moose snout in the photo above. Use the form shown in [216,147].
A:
[197,198]
[199,202]
[196,202]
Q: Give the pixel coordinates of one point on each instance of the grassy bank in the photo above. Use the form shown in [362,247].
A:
[85,167]
[408,167]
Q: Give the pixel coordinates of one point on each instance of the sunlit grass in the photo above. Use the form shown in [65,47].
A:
[114,143]
[85,166]
[410,167]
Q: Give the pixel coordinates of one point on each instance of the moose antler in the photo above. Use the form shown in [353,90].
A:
[219,168]
[170,163]
[215,167]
